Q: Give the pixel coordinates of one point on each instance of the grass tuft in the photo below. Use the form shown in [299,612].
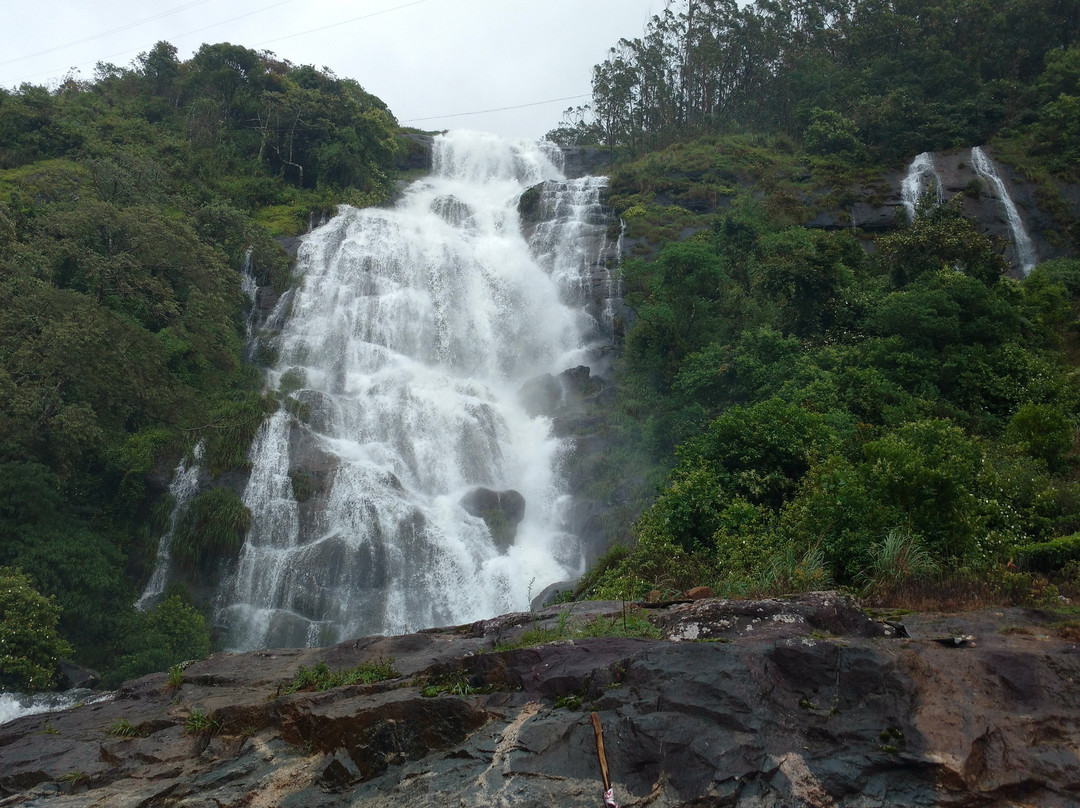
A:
[320,677]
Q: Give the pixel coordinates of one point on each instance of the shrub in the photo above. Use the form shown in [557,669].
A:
[322,678]
[170,633]
[213,524]
[1048,556]
[29,642]
[899,558]
[1043,432]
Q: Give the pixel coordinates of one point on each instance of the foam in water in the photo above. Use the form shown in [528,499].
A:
[404,349]
[1025,249]
[19,705]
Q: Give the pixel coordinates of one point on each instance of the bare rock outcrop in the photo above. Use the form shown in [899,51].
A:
[804,701]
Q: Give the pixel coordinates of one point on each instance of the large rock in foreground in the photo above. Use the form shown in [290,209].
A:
[801,702]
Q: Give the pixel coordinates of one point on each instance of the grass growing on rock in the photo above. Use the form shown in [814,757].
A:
[320,677]
[628,624]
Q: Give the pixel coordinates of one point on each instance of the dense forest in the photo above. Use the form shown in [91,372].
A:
[891,413]
[129,205]
[797,407]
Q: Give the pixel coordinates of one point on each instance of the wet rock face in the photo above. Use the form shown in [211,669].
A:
[581,161]
[502,511]
[782,702]
[878,209]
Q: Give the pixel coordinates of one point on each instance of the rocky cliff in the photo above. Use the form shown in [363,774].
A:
[800,702]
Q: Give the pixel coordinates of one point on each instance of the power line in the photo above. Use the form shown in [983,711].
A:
[232,19]
[177,36]
[343,22]
[498,109]
[110,32]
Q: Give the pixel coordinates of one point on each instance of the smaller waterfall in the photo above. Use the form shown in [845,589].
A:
[572,240]
[1025,249]
[248,284]
[921,171]
[184,485]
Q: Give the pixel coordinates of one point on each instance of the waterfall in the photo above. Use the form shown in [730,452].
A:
[916,183]
[401,357]
[250,287]
[572,239]
[1025,249]
[184,486]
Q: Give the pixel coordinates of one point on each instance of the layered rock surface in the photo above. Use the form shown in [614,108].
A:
[804,702]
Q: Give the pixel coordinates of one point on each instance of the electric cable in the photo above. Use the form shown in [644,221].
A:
[110,32]
[498,109]
[172,38]
[342,22]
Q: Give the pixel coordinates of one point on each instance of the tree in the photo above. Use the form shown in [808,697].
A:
[940,236]
[1043,432]
[805,273]
[29,642]
[830,132]
[171,632]
[678,299]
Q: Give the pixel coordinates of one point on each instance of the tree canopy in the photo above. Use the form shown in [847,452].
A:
[129,205]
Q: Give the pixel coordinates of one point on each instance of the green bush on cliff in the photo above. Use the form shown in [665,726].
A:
[213,524]
[1050,556]
[29,642]
[170,633]
[320,677]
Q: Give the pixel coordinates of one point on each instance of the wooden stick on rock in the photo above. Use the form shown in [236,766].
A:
[609,792]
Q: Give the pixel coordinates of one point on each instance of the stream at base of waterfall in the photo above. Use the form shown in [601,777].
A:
[401,358]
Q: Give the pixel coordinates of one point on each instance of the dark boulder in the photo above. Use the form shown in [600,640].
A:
[73,675]
[502,511]
[553,593]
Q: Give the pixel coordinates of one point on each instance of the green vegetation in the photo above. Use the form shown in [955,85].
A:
[211,527]
[29,642]
[161,638]
[176,677]
[853,79]
[128,206]
[200,723]
[321,677]
[122,728]
[630,624]
[899,421]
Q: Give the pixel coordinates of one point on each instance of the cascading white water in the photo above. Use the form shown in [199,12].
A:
[184,485]
[571,219]
[20,705]
[921,171]
[404,349]
[1025,249]
[250,287]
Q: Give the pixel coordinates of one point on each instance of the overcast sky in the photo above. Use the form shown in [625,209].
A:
[429,60]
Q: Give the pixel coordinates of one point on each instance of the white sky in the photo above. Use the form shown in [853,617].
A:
[427,59]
